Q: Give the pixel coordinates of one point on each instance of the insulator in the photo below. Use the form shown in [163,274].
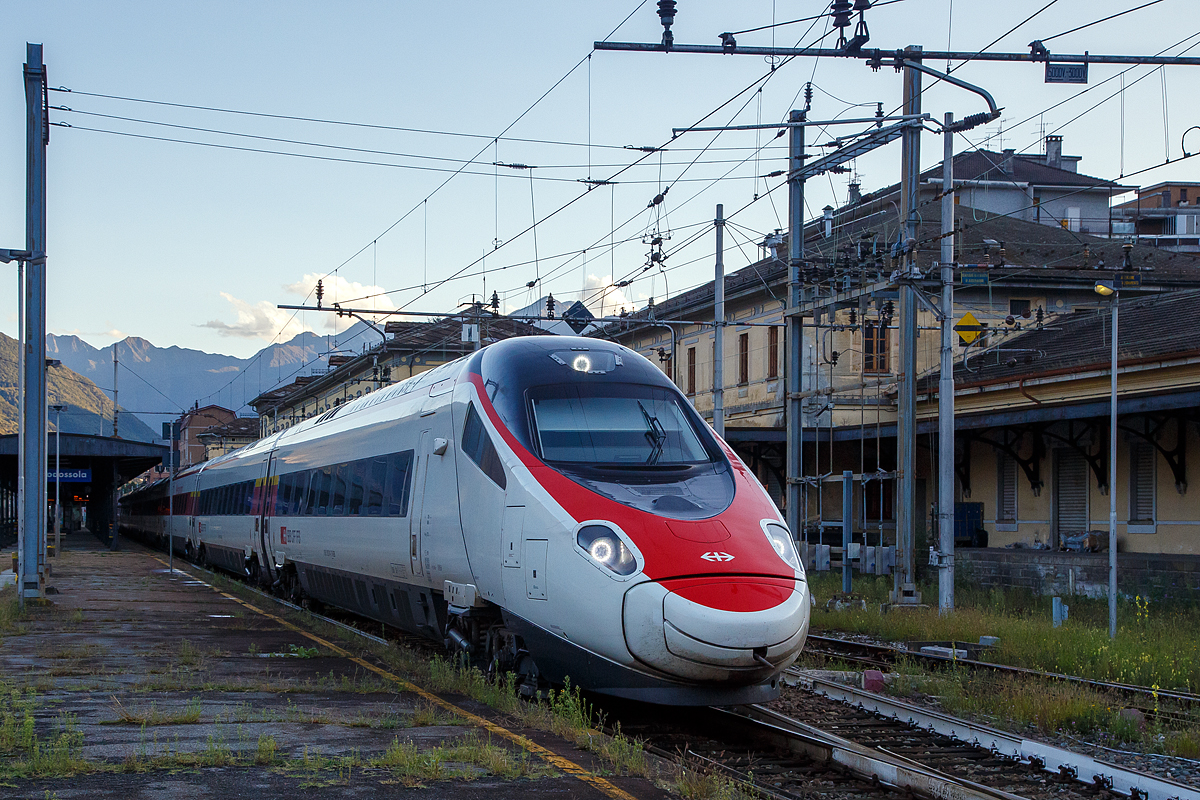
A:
[833,357]
[862,5]
[550,306]
[666,12]
[840,10]
[854,316]
[495,304]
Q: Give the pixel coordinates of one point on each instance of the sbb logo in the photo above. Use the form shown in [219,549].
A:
[717,557]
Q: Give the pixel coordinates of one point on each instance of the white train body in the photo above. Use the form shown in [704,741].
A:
[551,505]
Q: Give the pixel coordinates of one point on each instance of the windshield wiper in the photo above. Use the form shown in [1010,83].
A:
[655,434]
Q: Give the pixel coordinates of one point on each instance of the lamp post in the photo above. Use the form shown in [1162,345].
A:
[1109,289]
[57,476]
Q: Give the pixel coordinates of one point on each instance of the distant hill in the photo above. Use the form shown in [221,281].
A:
[88,409]
[158,382]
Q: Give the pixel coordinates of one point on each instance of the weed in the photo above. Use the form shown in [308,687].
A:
[264,754]
[299,651]
[702,784]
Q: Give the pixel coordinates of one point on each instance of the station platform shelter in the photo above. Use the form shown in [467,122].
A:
[92,468]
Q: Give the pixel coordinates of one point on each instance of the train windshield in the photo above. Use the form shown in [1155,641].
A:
[620,425]
[634,443]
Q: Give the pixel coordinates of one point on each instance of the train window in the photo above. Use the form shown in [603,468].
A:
[479,448]
[313,485]
[357,474]
[325,478]
[614,425]
[376,475]
[337,494]
[283,497]
[399,477]
[299,482]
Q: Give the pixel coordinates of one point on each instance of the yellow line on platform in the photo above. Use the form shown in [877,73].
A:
[564,764]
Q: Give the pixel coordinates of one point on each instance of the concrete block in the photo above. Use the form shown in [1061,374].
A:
[989,641]
[872,680]
[822,558]
[947,652]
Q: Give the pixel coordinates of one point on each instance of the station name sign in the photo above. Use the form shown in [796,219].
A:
[70,476]
[1066,73]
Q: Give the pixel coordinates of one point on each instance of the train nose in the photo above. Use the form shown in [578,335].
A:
[726,628]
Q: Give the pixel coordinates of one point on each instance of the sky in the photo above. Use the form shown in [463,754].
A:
[406,186]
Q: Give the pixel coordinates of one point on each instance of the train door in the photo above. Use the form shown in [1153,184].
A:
[417,515]
[266,509]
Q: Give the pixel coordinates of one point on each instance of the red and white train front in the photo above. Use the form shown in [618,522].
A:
[638,554]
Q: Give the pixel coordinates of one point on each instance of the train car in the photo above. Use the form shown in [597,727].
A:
[549,505]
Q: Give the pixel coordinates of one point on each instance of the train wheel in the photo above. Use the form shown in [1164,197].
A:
[189,552]
[252,571]
[529,682]
[202,557]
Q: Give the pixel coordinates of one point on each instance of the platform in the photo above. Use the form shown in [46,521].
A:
[139,682]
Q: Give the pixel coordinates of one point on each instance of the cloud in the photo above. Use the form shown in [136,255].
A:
[263,320]
[601,297]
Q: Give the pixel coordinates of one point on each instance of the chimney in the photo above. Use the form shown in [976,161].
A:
[1054,152]
[1006,162]
[855,194]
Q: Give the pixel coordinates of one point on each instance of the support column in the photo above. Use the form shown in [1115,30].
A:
[795,330]
[906,514]
[719,328]
[946,383]
[31,580]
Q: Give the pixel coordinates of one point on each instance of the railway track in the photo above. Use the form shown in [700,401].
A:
[820,747]
[881,656]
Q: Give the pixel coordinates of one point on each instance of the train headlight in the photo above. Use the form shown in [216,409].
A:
[606,548]
[781,539]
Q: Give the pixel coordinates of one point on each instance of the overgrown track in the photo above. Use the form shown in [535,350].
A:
[883,656]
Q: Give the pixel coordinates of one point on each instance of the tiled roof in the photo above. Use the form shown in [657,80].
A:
[1149,328]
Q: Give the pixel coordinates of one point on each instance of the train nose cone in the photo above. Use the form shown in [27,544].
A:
[733,628]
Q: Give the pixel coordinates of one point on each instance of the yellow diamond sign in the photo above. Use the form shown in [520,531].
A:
[968,328]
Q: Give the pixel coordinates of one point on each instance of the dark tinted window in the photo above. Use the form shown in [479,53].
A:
[399,477]
[376,475]
[479,448]
[357,478]
[337,494]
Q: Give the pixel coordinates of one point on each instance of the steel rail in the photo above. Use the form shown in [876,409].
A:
[870,765]
[1052,759]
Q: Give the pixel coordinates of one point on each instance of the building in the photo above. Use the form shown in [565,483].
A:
[1164,215]
[408,348]
[221,439]
[195,422]
[1019,274]
[1045,188]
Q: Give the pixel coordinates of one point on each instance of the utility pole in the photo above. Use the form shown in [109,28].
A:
[946,382]
[115,436]
[794,343]
[719,328]
[57,478]
[904,591]
[31,578]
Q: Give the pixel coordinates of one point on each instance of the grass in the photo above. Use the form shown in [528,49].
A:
[1156,647]
[188,715]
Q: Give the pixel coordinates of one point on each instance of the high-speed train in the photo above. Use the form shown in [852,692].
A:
[548,505]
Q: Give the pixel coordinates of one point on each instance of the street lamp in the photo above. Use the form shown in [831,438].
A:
[1109,289]
[57,476]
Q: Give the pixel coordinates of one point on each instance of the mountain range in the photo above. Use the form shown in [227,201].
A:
[156,384]
[87,409]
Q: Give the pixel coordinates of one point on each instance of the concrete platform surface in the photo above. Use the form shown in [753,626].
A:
[138,682]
